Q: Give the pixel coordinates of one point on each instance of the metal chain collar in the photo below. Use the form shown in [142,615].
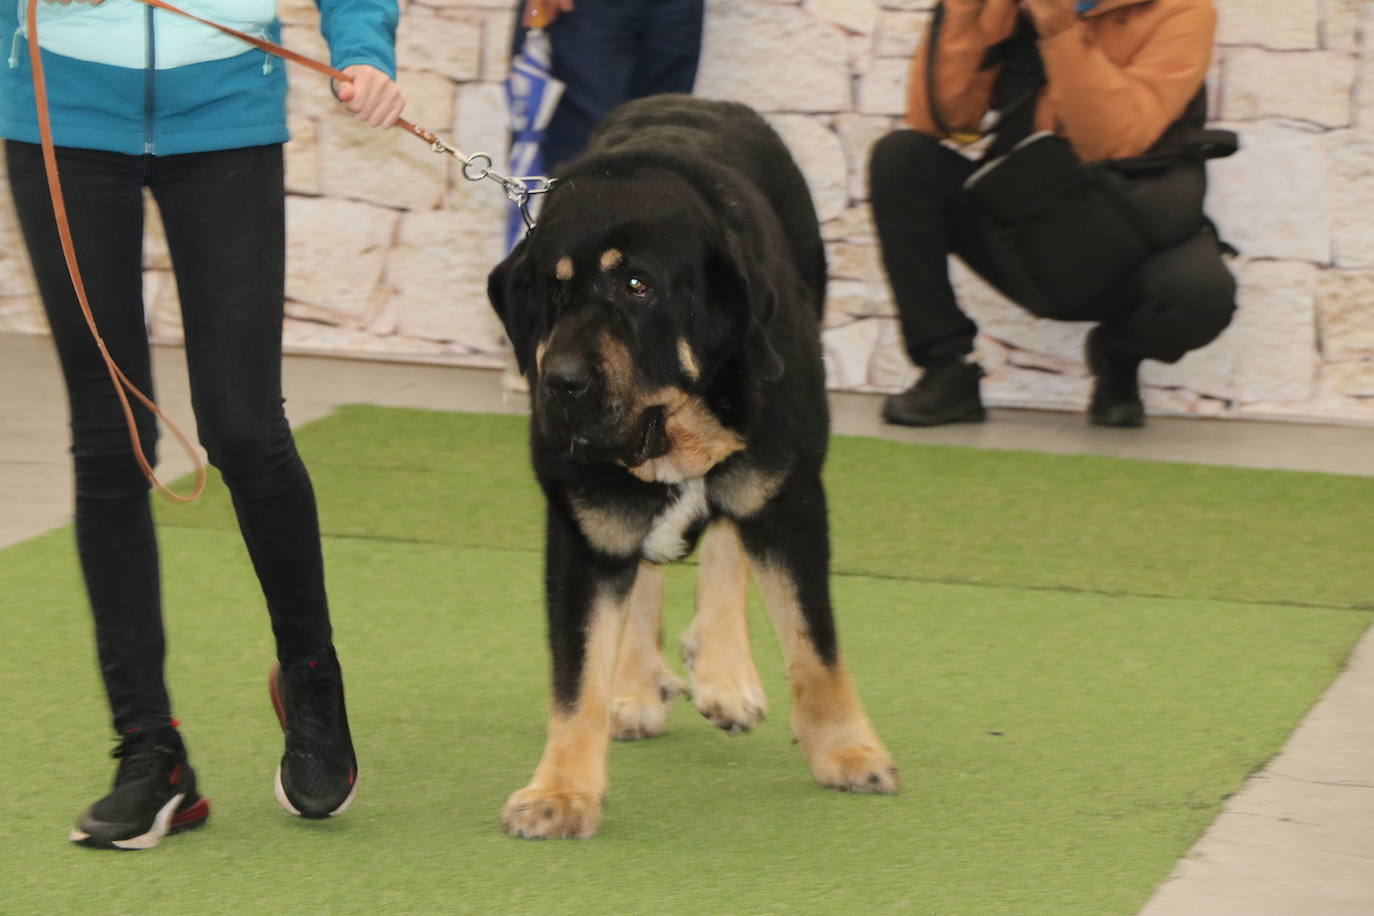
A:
[518,190]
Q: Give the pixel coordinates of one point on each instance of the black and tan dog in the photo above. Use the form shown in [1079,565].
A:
[665,312]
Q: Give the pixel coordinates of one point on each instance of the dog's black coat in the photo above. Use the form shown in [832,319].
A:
[712,240]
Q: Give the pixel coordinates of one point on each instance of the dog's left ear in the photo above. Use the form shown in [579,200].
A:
[740,274]
[509,287]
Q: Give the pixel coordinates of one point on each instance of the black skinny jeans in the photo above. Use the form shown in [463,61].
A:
[224,214]
[1176,300]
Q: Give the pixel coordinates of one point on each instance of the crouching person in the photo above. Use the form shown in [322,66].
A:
[1085,203]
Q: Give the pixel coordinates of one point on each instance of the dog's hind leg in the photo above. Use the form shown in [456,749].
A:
[644,687]
[725,684]
[789,549]
[587,598]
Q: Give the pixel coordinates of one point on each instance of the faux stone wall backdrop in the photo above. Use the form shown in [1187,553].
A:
[390,247]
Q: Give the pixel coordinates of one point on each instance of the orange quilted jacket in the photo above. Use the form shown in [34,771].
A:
[1118,75]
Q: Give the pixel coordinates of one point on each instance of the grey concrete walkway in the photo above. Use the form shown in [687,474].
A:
[1298,841]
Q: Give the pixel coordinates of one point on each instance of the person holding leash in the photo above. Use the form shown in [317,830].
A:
[1086,205]
[144,99]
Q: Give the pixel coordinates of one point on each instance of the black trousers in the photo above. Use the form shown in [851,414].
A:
[224,214]
[611,51]
[1176,300]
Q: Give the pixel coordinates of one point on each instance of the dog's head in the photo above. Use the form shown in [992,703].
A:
[632,298]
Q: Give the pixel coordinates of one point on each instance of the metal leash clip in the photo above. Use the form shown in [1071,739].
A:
[518,190]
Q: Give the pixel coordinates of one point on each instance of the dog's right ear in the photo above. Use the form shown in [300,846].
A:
[510,289]
[740,273]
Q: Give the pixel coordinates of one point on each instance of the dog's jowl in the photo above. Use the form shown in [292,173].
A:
[665,312]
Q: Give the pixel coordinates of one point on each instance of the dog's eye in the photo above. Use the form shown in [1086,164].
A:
[637,287]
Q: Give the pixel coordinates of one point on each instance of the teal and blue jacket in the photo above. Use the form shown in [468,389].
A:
[126,78]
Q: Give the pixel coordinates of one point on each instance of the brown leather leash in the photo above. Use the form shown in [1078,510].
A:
[475,168]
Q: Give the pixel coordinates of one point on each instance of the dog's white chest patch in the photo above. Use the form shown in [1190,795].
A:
[667,540]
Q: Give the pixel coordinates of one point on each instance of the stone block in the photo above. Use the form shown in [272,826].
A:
[1270,199]
[443,41]
[860,16]
[1350,176]
[1345,306]
[1314,86]
[388,167]
[899,33]
[1276,355]
[438,274]
[155,253]
[774,57]
[1012,386]
[882,90]
[16,276]
[335,252]
[1345,394]
[22,315]
[854,261]
[820,155]
[498,29]
[1209,371]
[1005,321]
[298,12]
[848,350]
[1281,26]
[845,300]
[1350,380]
[858,133]
[302,157]
[854,224]
[889,369]
[308,93]
[162,305]
[1340,24]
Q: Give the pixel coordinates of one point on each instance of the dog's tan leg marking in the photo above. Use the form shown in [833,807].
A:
[565,794]
[725,684]
[828,719]
[644,688]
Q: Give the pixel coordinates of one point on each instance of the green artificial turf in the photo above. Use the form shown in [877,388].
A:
[1074,661]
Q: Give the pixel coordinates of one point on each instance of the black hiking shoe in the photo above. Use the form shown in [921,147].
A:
[318,775]
[154,794]
[1116,386]
[946,392]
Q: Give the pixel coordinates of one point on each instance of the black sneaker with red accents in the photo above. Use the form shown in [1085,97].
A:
[318,775]
[154,794]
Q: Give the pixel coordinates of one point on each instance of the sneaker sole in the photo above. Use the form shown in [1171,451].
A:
[167,822]
[290,808]
[274,688]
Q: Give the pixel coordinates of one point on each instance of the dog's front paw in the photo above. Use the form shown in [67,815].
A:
[558,812]
[726,687]
[733,705]
[644,713]
[856,768]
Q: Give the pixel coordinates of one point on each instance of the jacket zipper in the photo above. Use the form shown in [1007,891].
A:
[149,89]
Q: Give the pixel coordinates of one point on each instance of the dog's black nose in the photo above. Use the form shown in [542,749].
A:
[566,376]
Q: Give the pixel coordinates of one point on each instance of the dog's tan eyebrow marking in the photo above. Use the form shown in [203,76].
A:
[687,359]
[563,270]
[610,258]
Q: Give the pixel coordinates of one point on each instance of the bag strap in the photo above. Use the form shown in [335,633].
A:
[1018,85]
[1014,94]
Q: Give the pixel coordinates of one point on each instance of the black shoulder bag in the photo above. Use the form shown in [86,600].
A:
[1064,231]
